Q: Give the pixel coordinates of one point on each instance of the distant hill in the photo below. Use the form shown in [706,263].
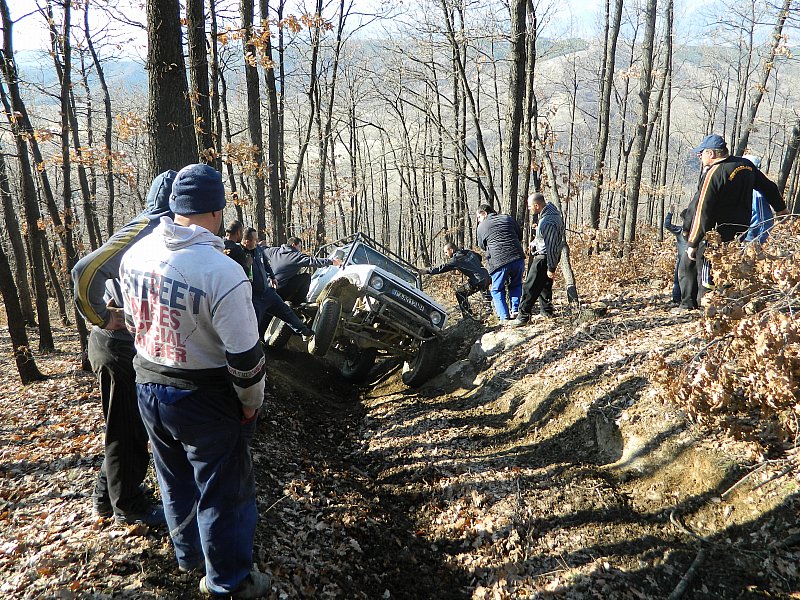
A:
[36,69]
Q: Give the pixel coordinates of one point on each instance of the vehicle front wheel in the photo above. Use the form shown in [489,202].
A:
[422,366]
[326,322]
[278,333]
[358,363]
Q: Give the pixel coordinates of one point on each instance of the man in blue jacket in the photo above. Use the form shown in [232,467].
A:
[500,236]
[118,491]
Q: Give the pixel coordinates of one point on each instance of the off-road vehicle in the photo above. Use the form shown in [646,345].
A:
[371,306]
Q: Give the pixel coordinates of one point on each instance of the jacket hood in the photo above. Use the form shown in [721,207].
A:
[159,193]
[176,237]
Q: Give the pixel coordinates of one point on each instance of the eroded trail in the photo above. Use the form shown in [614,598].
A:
[539,464]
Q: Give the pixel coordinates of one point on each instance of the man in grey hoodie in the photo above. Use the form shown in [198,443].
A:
[200,382]
[118,490]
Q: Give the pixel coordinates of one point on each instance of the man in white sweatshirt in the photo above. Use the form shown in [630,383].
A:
[200,382]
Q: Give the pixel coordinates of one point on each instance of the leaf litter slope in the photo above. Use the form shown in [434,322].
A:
[541,463]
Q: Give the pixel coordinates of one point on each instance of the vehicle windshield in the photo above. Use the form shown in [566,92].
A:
[364,255]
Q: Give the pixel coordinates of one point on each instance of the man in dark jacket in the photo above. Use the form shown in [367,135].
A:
[233,248]
[118,491]
[680,244]
[724,200]
[286,262]
[545,256]
[266,301]
[500,236]
[468,263]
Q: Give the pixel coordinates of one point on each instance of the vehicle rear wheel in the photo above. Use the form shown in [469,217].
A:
[358,363]
[277,334]
[326,322]
[422,366]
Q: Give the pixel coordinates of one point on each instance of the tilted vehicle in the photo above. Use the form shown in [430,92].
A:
[370,306]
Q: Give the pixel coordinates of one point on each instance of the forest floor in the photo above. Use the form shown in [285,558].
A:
[541,463]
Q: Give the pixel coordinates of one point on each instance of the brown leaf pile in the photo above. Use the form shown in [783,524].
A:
[745,378]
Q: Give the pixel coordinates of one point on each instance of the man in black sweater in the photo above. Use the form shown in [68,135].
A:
[468,263]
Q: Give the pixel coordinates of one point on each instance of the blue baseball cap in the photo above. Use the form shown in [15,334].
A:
[711,142]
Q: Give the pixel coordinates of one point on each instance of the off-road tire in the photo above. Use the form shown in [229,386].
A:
[358,363]
[326,322]
[422,367]
[277,334]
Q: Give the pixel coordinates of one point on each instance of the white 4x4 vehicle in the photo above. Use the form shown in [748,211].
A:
[371,306]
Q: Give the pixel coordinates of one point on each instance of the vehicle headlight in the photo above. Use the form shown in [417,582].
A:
[436,317]
[377,282]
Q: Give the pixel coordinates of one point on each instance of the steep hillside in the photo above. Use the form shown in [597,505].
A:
[541,462]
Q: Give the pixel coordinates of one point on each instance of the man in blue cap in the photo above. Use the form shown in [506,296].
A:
[200,382]
[723,201]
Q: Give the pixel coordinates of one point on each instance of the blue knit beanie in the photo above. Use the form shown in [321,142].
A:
[197,189]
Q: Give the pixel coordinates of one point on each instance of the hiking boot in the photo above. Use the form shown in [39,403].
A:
[307,333]
[151,516]
[255,585]
[198,568]
[101,507]
[520,321]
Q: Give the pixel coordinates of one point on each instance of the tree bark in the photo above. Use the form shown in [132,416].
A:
[173,144]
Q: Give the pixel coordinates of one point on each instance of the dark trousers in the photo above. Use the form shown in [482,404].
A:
[687,276]
[537,286]
[704,281]
[205,472]
[269,305]
[295,289]
[126,456]
[466,290]
[676,283]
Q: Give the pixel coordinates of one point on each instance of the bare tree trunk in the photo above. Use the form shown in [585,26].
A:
[789,157]
[26,365]
[312,110]
[634,178]
[483,157]
[17,246]
[516,97]
[198,78]
[216,111]
[254,112]
[277,201]
[108,164]
[667,113]
[66,166]
[604,113]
